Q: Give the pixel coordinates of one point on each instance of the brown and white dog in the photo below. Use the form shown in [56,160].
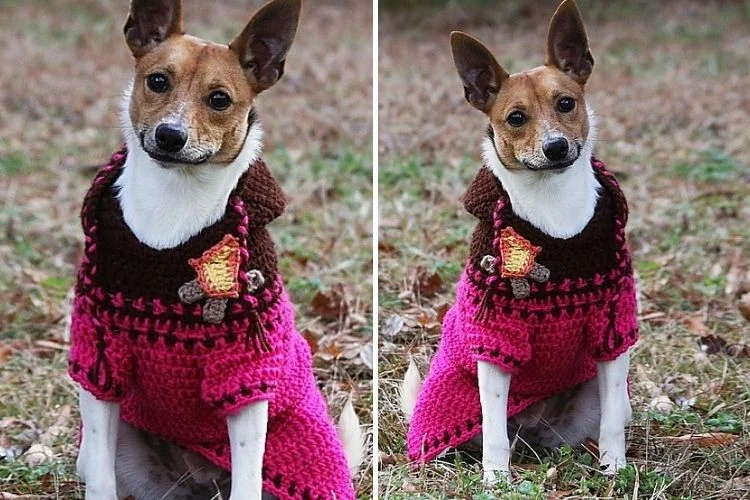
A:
[191,133]
[542,134]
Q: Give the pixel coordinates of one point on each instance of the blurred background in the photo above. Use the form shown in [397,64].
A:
[62,71]
[669,88]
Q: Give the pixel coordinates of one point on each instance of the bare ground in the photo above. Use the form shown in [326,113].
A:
[64,66]
[670,90]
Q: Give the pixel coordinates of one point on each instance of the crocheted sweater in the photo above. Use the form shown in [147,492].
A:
[186,336]
[543,309]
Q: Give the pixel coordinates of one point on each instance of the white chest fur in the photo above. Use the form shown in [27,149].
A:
[164,207]
[559,204]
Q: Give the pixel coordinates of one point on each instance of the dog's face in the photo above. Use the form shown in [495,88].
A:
[191,100]
[538,118]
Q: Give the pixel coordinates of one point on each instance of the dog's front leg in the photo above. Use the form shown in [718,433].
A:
[493,396]
[615,412]
[247,439]
[96,458]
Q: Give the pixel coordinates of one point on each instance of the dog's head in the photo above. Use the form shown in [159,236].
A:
[192,100]
[538,118]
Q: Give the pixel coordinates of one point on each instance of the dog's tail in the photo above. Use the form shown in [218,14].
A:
[410,389]
[350,434]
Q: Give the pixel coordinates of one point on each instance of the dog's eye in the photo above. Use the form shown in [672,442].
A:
[219,100]
[516,119]
[566,105]
[158,82]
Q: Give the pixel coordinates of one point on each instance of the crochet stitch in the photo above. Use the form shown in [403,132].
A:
[576,308]
[184,337]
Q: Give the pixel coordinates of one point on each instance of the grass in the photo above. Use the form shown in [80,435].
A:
[62,81]
[679,151]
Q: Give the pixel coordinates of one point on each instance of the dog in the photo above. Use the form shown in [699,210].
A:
[183,337]
[537,345]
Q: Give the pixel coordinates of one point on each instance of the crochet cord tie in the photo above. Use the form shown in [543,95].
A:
[101,361]
[486,311]
[612,341]
[257,333]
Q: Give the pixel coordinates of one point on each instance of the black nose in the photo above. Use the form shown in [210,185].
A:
[170,138]
[555,149]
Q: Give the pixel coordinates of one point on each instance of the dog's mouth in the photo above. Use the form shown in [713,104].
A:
[551,167]
[177,159]
[170,160]
[557,166]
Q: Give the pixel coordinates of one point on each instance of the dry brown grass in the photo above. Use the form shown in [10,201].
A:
[670,87]
[63,67]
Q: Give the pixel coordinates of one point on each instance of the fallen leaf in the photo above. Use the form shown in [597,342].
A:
[387,248]
[366,355]
[6,352]
[330,305]
[703,440]
[661,404]
[427,283]
[744,305]
[552,473]
[696,325]
[332,349]
[738,351]
[392,326]
[442,310]
[734,280]
[427,319]
[311,336]
[37,455]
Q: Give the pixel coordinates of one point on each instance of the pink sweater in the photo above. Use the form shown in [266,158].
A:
[184,337]
[544,309]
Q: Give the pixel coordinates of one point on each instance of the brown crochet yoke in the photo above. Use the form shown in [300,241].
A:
[128,267]
[593,252]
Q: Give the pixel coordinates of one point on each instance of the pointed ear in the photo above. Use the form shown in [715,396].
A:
[478,69]
[150,22]
[264,43]
[568,44]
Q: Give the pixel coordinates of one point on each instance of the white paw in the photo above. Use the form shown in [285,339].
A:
[612,451]
[98,485]
[612,456]
[493,476]
[610,464]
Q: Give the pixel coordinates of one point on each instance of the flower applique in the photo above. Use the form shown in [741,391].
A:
[518,263]
[217,280]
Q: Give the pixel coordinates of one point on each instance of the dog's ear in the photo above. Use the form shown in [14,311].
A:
[568,44]
[264,43]
[479,71]
[150,22]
